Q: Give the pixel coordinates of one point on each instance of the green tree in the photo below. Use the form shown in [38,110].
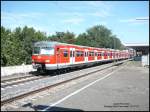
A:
[65,37]
[16,46]
[5,42]
[99,36]
[82,39]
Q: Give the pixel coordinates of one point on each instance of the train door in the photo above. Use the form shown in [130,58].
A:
[86,55]
[72,57]
[62,58]
[102,55]
[108,55]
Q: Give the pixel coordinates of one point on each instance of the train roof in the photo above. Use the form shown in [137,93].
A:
[54,43]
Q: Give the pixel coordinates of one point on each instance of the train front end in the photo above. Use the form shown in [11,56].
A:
[43,54]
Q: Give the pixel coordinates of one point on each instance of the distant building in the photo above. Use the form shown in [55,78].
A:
[141,49]
[142,52]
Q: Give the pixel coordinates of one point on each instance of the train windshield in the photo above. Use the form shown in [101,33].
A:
[43,50]
[47,51]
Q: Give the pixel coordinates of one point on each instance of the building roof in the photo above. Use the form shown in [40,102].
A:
[136,44]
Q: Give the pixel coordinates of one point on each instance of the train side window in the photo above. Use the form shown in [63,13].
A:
[82,53]
[85,54]
[107,54]
[96,54]
[73,54]
[77,53]
[65,53]
[89,53]
[92,53]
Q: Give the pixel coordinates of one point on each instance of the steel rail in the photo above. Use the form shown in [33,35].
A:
[22,81]
[17,78]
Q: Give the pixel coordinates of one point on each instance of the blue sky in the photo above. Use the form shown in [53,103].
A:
[129,20]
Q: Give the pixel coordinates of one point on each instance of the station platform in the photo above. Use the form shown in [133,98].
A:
[124,90]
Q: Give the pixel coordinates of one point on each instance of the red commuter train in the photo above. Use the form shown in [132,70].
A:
[54,55]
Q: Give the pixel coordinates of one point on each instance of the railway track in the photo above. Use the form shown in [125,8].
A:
[19,80]
[21,96]
[15,78]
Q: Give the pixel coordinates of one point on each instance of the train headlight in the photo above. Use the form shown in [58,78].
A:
[47,61]
[39,57]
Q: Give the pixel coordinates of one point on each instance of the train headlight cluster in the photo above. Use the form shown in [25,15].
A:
[47,61]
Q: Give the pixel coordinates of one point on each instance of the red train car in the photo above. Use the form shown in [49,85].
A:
[54,55]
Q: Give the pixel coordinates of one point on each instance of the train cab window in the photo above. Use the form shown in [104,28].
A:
[65,53]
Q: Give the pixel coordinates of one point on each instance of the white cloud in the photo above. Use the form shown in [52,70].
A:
[21,18]
[101,13]
[100,5]
[70,13]
[73,20]
[91,8]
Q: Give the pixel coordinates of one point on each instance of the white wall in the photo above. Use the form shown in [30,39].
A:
[16,69]
[145,60]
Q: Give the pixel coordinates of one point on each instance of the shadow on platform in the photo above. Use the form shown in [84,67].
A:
[48,108]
